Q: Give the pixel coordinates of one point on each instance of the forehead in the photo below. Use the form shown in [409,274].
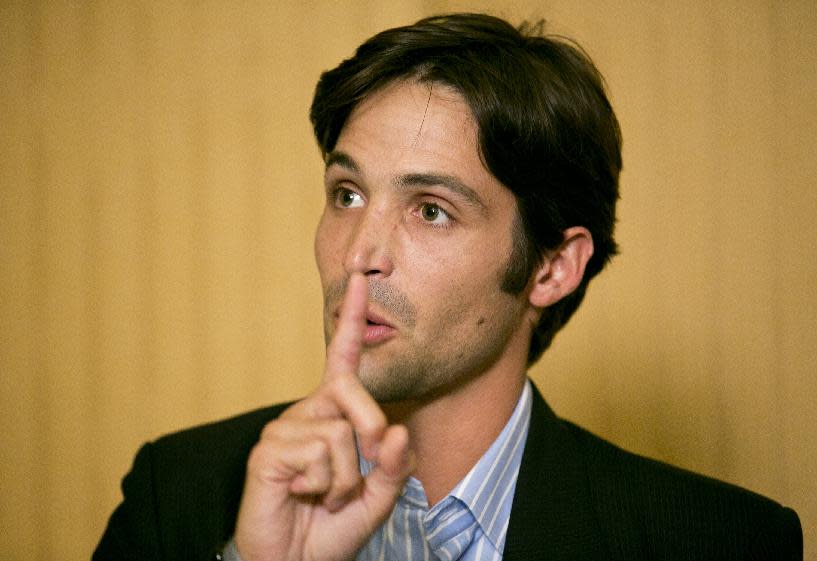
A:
[416,127]
[412,99]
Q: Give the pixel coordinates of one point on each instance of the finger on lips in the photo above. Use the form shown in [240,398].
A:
[343,353]
[341,382]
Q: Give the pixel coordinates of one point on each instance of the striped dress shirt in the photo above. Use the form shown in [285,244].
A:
[471,522]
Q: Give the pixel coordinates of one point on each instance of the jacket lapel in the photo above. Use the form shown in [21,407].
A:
[553,516]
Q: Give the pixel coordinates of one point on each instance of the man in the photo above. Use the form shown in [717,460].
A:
[471,180]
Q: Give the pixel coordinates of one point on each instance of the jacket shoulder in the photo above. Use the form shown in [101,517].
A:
[182,493]
[200,471]
[678,514]
[207,462]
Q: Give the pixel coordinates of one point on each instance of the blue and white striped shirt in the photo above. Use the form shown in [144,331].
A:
[471,522]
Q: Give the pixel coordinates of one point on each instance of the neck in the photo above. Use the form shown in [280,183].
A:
[450,432]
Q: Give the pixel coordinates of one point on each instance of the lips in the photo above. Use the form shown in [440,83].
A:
[378,329]
[374,319]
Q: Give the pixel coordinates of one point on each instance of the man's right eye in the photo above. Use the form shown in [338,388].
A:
[345,198]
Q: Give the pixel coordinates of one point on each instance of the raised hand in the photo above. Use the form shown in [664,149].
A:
[304,498]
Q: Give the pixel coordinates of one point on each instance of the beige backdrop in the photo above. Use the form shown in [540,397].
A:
[160,187]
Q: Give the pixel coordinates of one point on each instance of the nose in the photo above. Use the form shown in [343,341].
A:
[369,249]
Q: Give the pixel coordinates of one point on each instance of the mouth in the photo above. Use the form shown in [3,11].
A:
[378,329]
[373,318]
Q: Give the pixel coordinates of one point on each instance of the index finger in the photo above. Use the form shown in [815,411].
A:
[343,352]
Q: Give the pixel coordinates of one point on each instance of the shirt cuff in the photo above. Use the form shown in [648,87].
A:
[229,553]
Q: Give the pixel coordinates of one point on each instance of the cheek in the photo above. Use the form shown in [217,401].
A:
[465,284]
[451,287]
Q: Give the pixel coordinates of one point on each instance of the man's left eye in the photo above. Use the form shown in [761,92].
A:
[434,214]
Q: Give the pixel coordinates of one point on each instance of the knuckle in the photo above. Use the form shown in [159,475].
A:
[316,451]
[282,429]
[340,433]
[296,410]
[271,430]
[372,424]
[260,457]
[318,406]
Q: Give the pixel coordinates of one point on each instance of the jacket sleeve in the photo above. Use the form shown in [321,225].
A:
[132,532]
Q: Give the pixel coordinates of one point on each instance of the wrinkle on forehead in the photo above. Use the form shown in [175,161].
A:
[428,102]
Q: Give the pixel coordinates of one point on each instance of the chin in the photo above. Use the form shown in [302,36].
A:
[387,385]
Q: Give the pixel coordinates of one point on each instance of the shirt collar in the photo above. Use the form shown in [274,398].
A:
[487,490]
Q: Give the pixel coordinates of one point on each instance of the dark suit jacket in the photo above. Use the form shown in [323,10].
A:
[578,497]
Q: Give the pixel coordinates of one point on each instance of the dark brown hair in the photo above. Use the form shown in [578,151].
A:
[546,129]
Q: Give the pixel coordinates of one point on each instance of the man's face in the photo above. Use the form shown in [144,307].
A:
[410,204]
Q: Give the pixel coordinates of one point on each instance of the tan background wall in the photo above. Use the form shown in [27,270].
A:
[158,194]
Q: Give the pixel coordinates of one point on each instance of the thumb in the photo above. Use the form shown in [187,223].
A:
[395,462]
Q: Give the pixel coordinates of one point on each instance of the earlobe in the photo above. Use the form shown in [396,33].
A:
[563,269]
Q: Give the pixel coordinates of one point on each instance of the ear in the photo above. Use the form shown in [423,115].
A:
[563,269]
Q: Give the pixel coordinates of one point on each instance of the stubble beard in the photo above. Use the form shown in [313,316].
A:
[398,381]
[408,379]
[421,373]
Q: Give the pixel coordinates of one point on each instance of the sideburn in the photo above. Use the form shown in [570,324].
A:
[523,259]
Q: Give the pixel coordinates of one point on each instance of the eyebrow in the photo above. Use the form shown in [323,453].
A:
[342,159]
[345,161]
[447,181]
